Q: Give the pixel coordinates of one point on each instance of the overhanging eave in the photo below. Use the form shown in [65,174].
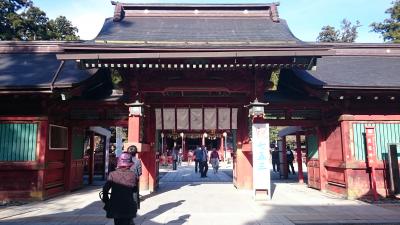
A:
[172,55]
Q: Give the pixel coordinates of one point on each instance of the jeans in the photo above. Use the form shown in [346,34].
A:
[196,165]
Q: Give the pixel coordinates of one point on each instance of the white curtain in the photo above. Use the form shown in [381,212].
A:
[158,119]
[224,118]
[182,117]
[196,119]
[169,118]
[234,118]
[210,118]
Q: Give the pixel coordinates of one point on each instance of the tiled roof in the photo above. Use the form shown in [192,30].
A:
[196,25]
[36,71]
[369,72]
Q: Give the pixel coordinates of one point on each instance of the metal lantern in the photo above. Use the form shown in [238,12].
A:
[136,108]
[256,108]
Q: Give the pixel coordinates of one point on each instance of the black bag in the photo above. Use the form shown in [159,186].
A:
[105,200]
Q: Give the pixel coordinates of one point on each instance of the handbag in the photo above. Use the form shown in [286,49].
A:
[106,201]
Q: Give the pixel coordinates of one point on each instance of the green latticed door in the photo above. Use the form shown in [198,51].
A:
[18,141]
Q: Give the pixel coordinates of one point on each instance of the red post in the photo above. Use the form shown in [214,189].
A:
[145,157]
[284,170]
[91,159]
[299,158]
[221,147]
[322,157]
[371,156]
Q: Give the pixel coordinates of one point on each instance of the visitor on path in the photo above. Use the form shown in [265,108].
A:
[214,160]
[137,169]
[198,155]
[175,156]
[180,156]
[275,160]
[190,157]
[290,158]
[204,162]
[120,205]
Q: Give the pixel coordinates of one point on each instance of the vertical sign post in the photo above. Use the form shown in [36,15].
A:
[118,141]
[261,162]
[371,156]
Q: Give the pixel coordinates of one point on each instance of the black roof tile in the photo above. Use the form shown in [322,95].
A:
[354,72]
[202,31]
[30,70]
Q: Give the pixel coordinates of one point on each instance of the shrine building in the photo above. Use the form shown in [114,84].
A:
[185,72]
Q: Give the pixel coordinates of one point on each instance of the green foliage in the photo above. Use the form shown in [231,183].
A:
[20,20]
[62,29]
[328,34]
[10,20]
[273,133]
[116,78]
[274,80]
[347,34]
[35,25]
[390,28]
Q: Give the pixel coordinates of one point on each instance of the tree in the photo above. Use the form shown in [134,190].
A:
[32,23]
[348,32]
[35,25]
[62,29]
[328,34]
[390,28]
[10,20]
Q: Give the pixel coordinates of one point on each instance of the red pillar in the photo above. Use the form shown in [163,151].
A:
[299,158]
[322,158]
[284,172]
[91,159]
[145,157]
[221,147]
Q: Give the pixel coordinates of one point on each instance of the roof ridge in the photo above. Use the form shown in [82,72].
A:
[255,9]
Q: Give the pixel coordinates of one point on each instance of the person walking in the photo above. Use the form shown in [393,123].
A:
[198,154]
[275,160]
[120,205]
[180,156]
[190,157]
[204,162]
[290,158]
[137,169]
[214,160]
[175,156]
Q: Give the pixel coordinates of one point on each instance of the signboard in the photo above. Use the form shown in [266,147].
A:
[118,141]
[261,162]
[371,156]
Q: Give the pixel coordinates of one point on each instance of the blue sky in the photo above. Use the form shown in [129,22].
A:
[305,17]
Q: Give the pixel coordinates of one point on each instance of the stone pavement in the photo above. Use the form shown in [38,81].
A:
[185,198]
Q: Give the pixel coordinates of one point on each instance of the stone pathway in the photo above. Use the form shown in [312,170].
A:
[185,198]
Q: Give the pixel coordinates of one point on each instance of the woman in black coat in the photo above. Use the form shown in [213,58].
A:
[120,205]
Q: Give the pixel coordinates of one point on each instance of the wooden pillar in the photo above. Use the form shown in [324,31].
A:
[42,148]
[145,157]
[68,161]
[299,158]
[284,168]
[322,158]
[91,159]
[221,147]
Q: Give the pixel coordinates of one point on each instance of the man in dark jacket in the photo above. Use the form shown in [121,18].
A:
[290,158]
[275,160]
[198,153]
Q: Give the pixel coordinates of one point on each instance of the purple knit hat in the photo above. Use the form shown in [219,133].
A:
[125,160]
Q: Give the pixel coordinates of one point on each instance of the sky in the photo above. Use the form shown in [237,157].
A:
[304,17]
